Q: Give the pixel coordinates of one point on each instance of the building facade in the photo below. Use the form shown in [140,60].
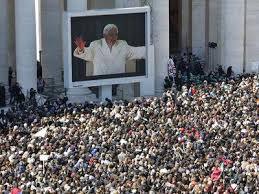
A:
[177,26]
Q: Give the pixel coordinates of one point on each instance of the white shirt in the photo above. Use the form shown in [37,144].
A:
[108,61]
[171,68]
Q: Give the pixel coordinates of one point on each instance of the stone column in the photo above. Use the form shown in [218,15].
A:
[11,34]
[232,34]
[160,14]
[198,27]
[51,35]
[252,38]
[4,42]
[38,28]
[213,33]
[186,33]
[25,34]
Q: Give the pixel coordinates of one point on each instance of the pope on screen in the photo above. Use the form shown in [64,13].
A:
[108,55]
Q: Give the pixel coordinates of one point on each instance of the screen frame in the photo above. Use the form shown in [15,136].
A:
[106,81]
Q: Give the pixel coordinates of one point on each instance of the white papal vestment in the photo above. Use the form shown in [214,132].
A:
[108,61]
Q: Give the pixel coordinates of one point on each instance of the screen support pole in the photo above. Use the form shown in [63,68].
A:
[105,92]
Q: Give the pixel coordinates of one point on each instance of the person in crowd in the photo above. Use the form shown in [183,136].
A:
[185,58]
[202,139]
[230,72]
[39,69]
[16,94]
[40,85]
[10,76]
[221,72]
[32,97]
[20,97]
[3,121]
[167,83]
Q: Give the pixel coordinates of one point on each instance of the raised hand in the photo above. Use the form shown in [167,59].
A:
[80,43]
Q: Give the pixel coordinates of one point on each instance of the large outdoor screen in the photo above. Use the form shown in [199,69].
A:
[108,46]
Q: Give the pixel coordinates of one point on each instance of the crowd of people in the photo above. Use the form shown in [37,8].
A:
[202,139]
[188,63]
[17,96]
[190,70]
